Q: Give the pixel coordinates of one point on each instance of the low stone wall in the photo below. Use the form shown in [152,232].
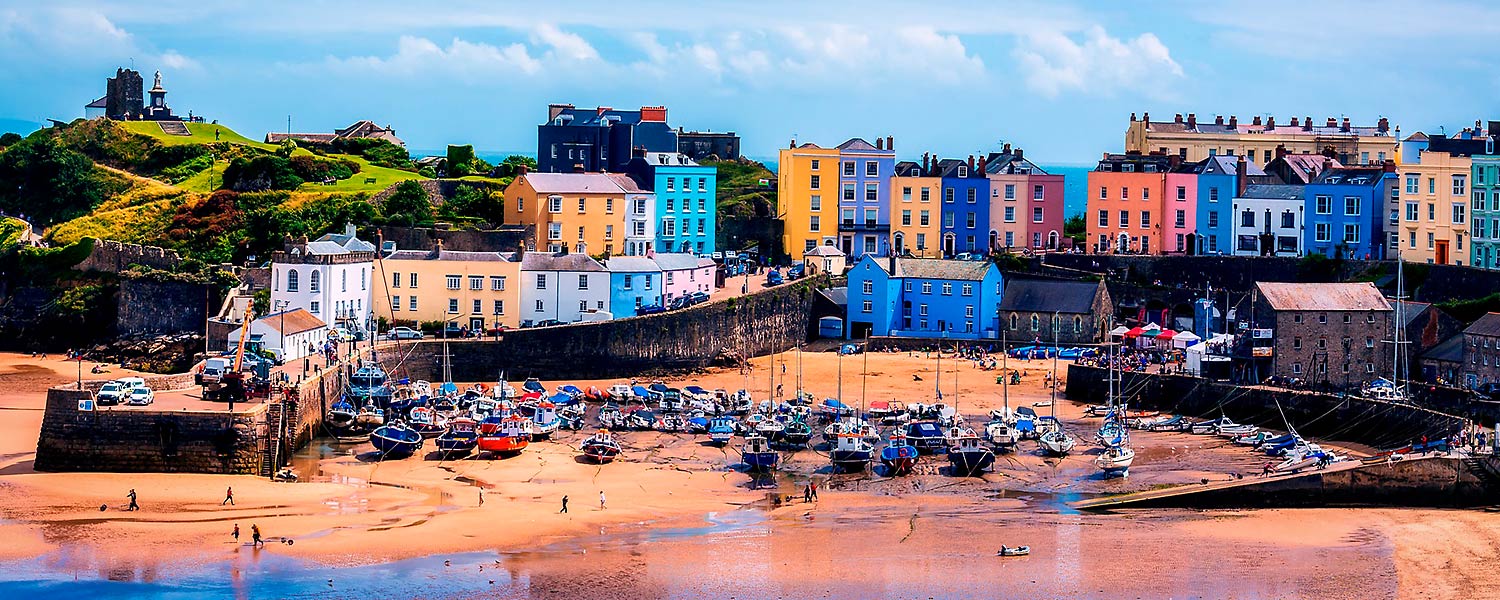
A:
[719,332]
[145,441]
[145,306]
[112,257]
[1379,425]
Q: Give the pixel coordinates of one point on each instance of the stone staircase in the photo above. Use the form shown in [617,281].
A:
[174,128]
[1482,471]
[270,450]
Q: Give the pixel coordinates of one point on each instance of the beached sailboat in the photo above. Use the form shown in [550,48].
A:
[1115,435]
[968,457]
[1056,441]
[509,438]
[600,448]
[898,457]
[796,432]
[461,438]
[758,455]
[396,440]
[1000,434]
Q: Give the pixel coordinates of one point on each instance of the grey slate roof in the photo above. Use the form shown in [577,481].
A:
[838,295]
[1350,176]
[933,268]
[450,255]
[860,145]
[1274,192]
[345,242]
[1227,165]
[1487,325]
[1038,295]
[542,261]
[676,261]
[1411,310]
[1450,350]
[631,264]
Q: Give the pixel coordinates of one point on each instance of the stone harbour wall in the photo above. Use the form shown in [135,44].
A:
[145,441]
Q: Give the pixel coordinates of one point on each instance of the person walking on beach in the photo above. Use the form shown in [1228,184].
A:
[133,505]
[236,533]
[565,505]
[481,496]
[601,500]
[814,487]
[255,536]
[228,497]
[807,493]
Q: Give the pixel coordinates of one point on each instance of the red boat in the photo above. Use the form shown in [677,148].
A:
[509,439]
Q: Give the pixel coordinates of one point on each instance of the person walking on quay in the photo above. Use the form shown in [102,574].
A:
[255,536]
[236,533]
[133,505]
[565,504]
[601,500]
[228,497]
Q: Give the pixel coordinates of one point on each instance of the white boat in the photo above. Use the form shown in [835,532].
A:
[1116,460]
[1211,426]
[1000,434]
[1233,431]
[1057,442]
[1014,551]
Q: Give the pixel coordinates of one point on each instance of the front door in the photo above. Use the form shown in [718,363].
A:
[1442,253]
[476,324]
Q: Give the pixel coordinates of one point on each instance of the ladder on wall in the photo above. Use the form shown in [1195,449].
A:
[270,451]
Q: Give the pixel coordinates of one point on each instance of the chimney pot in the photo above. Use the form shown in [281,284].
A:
[1332,122]
[1006,149]
[1234,121]
[1296,122]
[1145,116]
[1256,120]
[1192,121]
[879,144]
[1218,119]
[1177,119]
[792,144]
[1132,117]
[1271,122]
[1345,126]
[1307,123]
[890,142]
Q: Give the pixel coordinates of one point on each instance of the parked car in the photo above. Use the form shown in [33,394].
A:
[496,330]
[403,333]
[111,393]
[697,298]
[797,271]
[212,370]
[141,396]
[453,330]
[547,323]
[650,310]
[678,302]
[773,277]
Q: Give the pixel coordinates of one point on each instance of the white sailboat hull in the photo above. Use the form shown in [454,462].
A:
[1057,443]
[1116,460]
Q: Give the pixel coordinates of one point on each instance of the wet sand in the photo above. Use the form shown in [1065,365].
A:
[680,522]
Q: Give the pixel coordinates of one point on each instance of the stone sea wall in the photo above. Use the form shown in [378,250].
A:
[145,441]
[715,333]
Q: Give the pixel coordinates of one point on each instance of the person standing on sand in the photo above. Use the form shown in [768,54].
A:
[807,493]
[481,496]
[255,536]
[133,505]
[565,504]
[228,497]
[601,500]
[814,487]
[236,533]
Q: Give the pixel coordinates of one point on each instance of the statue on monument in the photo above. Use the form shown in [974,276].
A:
[157,84]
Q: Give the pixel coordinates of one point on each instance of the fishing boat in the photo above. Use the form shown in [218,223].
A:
[898,457]
[601,447]
[771,429]
[396,440]
[618,392]
[426,421]
[890,413]
[533,385]
[796,432]
[1252,439]
[1057,442]
[370,416]
[509,438]
[639,419]
[1211,426]
[341,415]
[461,438]
[758,455]
[851,453]
[926,436]
[545,422]
[369,384]
[1172,423]
[721,430]
[671,423]
[968,457]
[741,403]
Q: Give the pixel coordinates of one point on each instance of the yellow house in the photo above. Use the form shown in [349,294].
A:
[916,213]
[581,212]
[478,290]
[1257,140]
[807,191]
[1434,215]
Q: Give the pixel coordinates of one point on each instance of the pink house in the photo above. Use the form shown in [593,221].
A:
[1026,204]
[1044,224]
[1179,212]
[683,274]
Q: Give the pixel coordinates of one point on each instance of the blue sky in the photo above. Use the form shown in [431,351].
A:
[1057,78]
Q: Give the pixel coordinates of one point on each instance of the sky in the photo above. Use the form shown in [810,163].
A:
[1058,78]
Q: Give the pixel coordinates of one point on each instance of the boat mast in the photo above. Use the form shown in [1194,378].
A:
[1053,389]
[1004,366]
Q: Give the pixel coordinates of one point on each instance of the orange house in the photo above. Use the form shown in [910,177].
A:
[1125,203]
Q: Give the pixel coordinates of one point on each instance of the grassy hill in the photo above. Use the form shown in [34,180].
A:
[203,133]
[740,190]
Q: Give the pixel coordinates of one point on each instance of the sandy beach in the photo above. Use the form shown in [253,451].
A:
[680,522]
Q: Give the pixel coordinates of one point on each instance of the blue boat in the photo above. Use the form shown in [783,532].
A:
[460,439]
[898,457]
[697,424]
[968,457]
[532,385]
[758,455]
[721,430]
[926,436]
[1278,448]
[850,453]
[341,415]
[369,384]
[396,440]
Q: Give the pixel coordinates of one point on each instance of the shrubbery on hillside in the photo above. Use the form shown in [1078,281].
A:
[49,183]
[260,173]
[409,205]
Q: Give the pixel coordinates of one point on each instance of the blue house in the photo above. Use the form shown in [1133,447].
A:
[595,140]
[965,207]
[1219,181]
[864,207]
[685,200]
[634,281]
[924,297]
[1345,213]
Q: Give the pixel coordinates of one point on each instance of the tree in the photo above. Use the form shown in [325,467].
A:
[409,205]
[474,201]
[9,139]
[511,166]
[460,160]
[49,183]
[265,172]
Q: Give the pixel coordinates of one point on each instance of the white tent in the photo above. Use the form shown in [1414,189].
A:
[1118,331]
[1184,339]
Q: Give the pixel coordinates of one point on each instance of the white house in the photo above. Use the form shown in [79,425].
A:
[824,259]
[640,216]
[683,274]
[330,278]
[562,286]
[1268,221]
[297,330]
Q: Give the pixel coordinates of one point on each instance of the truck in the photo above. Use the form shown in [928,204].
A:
[212,370]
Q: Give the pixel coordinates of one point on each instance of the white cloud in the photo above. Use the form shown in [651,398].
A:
[65,32]
[469,60]
[1053,62]
[171,59]
[567,45]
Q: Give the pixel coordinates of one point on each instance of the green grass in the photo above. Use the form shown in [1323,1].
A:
[202,133]
[384,177]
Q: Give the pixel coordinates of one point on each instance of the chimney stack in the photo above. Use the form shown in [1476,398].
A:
[926,163]
[1240,169]
[578,168]
[1235,121]
[1146,117]
[971,165]
[1332,122]
[1345,127]
[1020,154]
[1256,120]
[1132,117]
[1307,123]
[1271,122]
[379,243]
[1296,122]
[524,169]
[792,145]
[1281,150]
[1327,164]
[1389,166]
[437,248]
[1005,149]
[520,251]
[879,144]
[1218,119]
[1192,122]
[1177,119]
[564,251]
[890,143]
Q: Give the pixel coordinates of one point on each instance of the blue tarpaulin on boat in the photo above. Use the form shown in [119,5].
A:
[640,392]
[1025,425]
[447,388]
[561,399]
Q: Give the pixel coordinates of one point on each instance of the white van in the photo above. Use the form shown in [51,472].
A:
[212,370]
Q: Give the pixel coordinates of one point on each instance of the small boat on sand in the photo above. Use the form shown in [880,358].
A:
[508,438]
[460,439]
[396,440]
[600,448]
[899,457]
[1014,551]
[758,455]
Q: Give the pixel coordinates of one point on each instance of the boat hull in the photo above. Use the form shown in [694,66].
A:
[599,455]
[761,461]
[392,445]
[969,463]
[850,461]
[503,445]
